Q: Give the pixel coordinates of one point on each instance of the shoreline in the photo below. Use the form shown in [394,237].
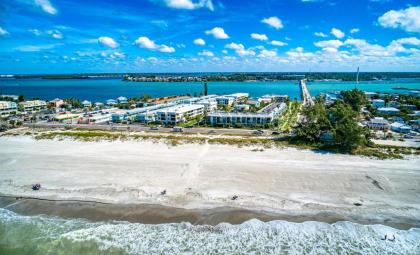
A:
[158,214]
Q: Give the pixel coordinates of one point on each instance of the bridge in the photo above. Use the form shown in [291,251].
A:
[304,93]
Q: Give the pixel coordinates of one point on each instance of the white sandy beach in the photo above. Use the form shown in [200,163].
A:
[207,176]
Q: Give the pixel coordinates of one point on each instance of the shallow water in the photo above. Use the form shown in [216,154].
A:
[103,89]
[51,235]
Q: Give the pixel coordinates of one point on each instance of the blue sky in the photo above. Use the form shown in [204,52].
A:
[71,36]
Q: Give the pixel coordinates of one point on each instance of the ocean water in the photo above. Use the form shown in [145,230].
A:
[51,235]
[99,90]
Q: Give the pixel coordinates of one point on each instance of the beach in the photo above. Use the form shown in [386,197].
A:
[276,183]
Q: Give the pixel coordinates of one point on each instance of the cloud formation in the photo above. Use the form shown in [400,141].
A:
[240,49]
[261,37]
[108,42]
[406,19]
[200,42]
[186,4]
[337,33]
[46,6]
[218,33]
[3,32]
[145,42]
[273,22]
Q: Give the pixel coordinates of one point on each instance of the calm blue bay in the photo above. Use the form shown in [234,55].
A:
[103,89]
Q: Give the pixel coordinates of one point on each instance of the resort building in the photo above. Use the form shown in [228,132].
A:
[241,107]
[7,107]
[370,95]
[400,128]
[12,97]
[378,123]
[34,105]
[261,118]
[388,111]
[179,113]
[253,102]
[378,103]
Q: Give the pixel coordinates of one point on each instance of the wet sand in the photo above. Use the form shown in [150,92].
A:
[124,181]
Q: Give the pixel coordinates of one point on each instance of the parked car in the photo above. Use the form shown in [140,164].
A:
[177,129]
[154,128]
[275,133]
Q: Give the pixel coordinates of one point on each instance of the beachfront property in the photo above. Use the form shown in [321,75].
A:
[370,95]
[378,103]
[179,113]
[33,105]
[12,97]
[8,107]
[111,102]
[400,128]
[231,99]
[122,100]
[262,118]
[378,123]
[241,107]
[388,111]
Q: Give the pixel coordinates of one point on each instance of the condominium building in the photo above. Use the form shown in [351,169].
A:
[56,102]
[388,111]
[33,105]
[179,113]
[7,107]
[225,100]
[262,118]
[378,123]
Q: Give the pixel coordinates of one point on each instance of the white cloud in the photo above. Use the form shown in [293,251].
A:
[240,49]
[224,51]
[187,4]
[320,34]
[261,37]
[267,54]
[329,44]
[3,32]
[35,31]
[145,42]
[218,33]
[278,43]
[46,6]
[108,41]
[273,21]
[206,53]
[199,41]
[354,30]
[55,34]
[35,48]
[337,33]
[407,19]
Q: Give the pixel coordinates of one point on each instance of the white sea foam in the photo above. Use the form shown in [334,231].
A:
[56,235]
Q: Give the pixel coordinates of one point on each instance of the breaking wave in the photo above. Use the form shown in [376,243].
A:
[52,235]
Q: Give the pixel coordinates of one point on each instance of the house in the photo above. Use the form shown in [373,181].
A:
[370,95]
[253,102]
[56,103]
[122,100]
[409,107]
[400,128]
[241,107]
[378,123]
[394,104]
[378,103]
[225,100]
[415,125]
[86,104]
[111,102]
[414,93]
[7,107]
[388,111]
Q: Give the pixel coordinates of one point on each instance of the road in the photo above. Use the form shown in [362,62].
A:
[140,128]
[306,96]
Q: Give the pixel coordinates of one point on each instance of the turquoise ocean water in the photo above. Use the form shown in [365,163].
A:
[99,90]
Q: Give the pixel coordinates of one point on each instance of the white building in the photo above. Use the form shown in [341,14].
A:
[378,103]
[33,105]
[179,113]
[122,100]
[111,102]
[86,104]
[370,95]
[388,111]
[400,128]
[242,107]
[7,107]
[225,100]
[378,123]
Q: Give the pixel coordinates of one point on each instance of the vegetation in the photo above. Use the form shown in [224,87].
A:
[286,121]
[335,126]
[355,98]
